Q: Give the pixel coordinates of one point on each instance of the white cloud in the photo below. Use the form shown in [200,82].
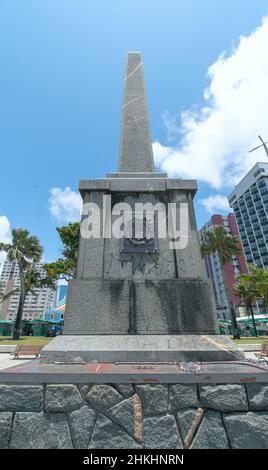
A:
[215,203]
[65,205]
[5,237]
[217,137]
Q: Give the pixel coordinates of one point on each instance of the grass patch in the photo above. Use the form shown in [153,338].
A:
[27,340]
[251,340]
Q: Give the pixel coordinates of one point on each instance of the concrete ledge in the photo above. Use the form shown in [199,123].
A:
[7,348]
[94,372]
[153,183]
[136,175]
[249,347]
[140,348]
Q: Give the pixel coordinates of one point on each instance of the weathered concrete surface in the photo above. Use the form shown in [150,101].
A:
[125,374]
[140,348]
[151,306]
[136,153]
[154,416]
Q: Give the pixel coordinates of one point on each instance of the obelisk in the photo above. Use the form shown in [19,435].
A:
[136,153]
[142,299]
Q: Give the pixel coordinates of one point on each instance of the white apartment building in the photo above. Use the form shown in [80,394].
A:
[249,201]
[35,305]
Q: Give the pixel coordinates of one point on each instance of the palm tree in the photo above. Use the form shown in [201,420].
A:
[260,279]
[33,280]
[3,295]
[248,292]
[24,250]
[217,240]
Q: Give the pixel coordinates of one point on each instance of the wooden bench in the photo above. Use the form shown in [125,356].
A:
[27,351]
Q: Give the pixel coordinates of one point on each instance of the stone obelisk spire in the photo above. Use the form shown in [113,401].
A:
[136,153]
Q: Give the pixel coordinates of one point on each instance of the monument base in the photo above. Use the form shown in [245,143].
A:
[140,348]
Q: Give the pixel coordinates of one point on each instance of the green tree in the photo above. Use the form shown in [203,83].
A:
[217,240]
[260,279]
[23,250]
[33,279]
[5,295]
[65,267]
[248,292]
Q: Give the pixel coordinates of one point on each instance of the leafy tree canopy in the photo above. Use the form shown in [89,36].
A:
[65,267]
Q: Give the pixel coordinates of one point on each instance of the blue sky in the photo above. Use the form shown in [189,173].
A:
[61,83]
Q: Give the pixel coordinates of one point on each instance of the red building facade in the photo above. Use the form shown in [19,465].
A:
[232,268]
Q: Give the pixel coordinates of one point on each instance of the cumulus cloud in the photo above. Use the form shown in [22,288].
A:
[65,205]
[5,236]
[215,203]
[214,140]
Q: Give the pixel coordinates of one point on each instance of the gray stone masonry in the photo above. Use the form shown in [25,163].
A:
[140,348]
[126,416]
[131,287]
[136,153]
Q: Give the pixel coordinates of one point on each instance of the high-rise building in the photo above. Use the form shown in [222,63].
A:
[232,269]
[249,201]
[35,304]
[56,312]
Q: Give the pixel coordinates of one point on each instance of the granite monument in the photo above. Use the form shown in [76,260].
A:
[139,298]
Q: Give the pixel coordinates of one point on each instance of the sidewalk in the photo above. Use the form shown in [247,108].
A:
[7,361]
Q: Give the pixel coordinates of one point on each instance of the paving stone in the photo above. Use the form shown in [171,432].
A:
[62,398]
[224,397]
[211,433]
[258,396]
[102,397]
[81,424]
[40,431]
[247,430]
[161,433]
[108,435]
[5,426]
[154,399]
[128,415]
[183,396]
[21,397]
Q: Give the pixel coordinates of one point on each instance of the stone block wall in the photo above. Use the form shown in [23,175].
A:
[126,416]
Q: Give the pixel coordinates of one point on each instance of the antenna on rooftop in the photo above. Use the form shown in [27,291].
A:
[263,144]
